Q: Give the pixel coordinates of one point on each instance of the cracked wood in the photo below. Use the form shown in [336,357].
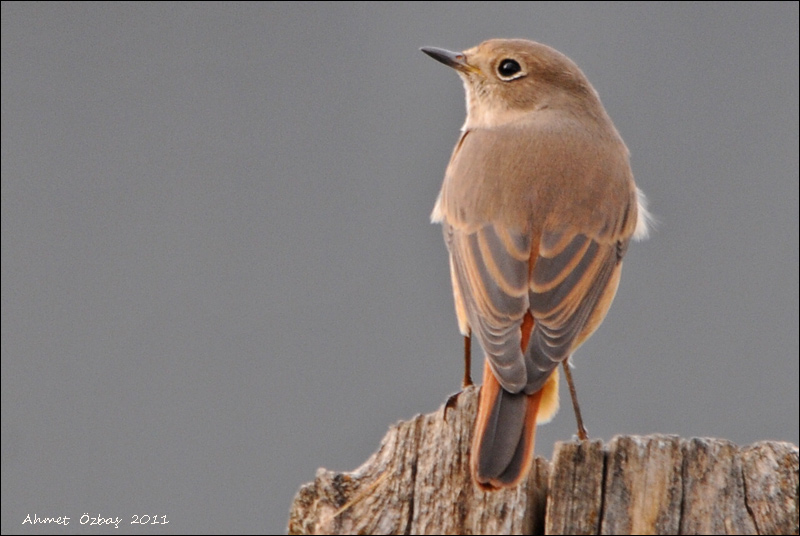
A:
[418,482]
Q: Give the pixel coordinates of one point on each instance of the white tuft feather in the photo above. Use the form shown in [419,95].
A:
[437,216]
[644,220]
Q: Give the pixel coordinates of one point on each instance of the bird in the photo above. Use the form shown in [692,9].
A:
[537,207]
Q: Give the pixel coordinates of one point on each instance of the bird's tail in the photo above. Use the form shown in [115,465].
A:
[505,431]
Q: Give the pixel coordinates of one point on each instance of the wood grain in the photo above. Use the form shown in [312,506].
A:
[418,482]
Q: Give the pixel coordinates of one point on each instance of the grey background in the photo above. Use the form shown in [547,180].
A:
[218,272]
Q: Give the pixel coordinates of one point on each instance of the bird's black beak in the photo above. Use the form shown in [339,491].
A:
[456,60]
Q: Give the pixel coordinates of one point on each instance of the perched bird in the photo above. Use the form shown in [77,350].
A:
[538,206]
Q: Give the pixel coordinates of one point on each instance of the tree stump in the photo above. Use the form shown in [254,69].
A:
[418,482]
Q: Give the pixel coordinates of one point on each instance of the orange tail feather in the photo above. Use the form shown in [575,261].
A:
[504,437]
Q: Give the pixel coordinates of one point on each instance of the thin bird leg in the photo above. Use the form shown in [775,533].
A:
[467,381]
[582,434]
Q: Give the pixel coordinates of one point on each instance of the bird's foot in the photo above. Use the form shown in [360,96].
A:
[451,402]
[582,435]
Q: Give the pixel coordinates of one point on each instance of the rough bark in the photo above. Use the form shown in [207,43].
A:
[418,482]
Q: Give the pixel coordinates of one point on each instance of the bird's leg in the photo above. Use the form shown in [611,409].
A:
[582,434]
[467,380]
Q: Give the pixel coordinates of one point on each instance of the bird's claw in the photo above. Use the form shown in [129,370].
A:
[451,402]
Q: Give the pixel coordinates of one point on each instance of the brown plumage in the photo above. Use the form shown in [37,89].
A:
[537,206]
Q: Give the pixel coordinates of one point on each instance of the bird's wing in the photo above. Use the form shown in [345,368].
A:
[573,281]
[504,265]
[490,275]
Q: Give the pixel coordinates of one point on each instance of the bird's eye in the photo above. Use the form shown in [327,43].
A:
[507,68]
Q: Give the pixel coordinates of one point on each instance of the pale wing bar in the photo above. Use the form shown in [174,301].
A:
[566,284]
[491,267]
